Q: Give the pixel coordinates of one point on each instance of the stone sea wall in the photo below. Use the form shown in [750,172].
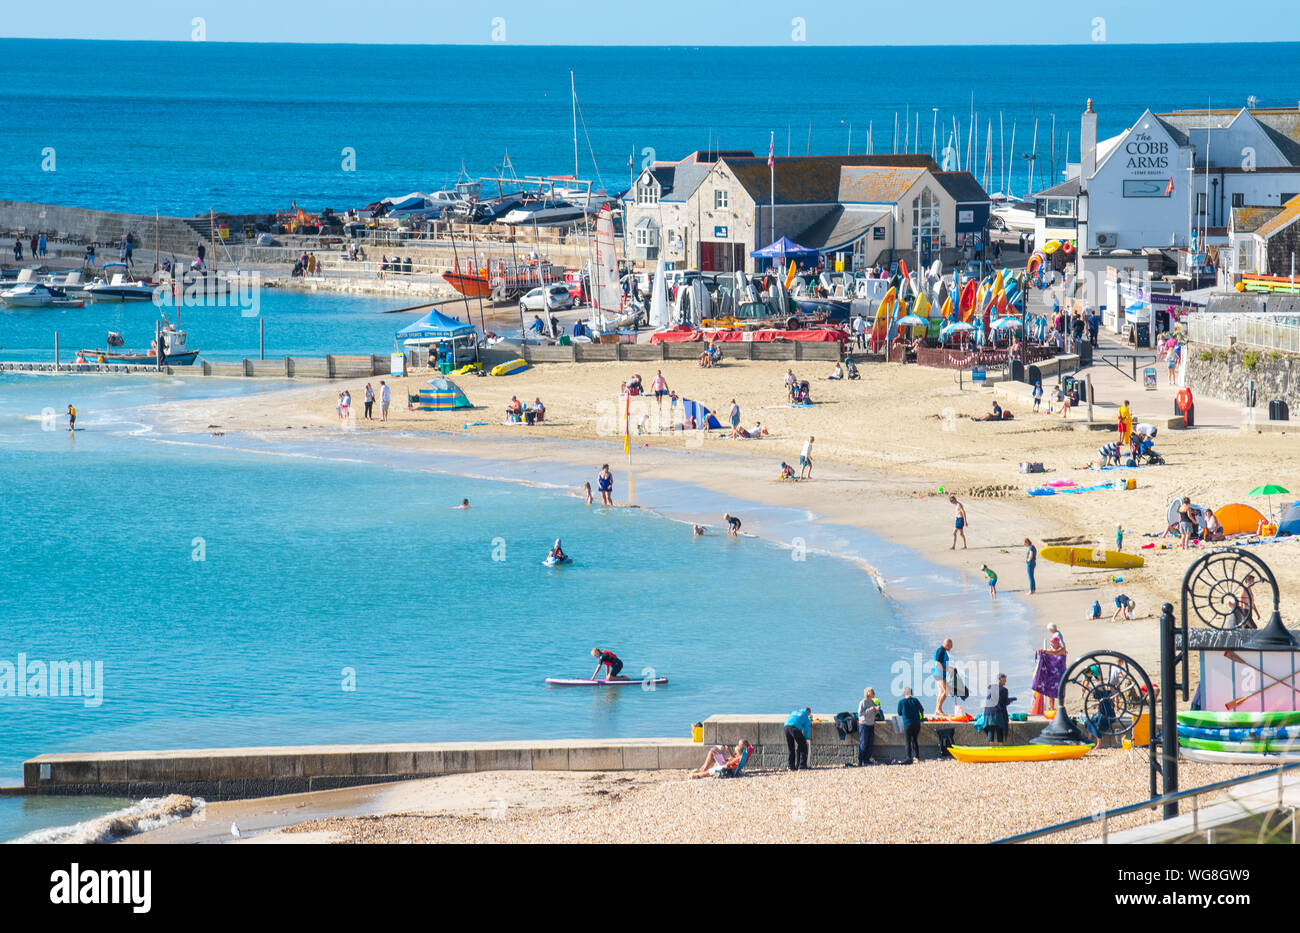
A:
[1227,374]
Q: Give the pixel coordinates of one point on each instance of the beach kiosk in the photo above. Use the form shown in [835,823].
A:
[441,335]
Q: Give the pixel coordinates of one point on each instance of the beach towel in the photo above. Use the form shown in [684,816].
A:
[1048,673]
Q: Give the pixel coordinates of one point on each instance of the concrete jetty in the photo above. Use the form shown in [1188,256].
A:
[233,773]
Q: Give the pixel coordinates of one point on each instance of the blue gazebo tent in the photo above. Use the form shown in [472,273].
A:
[786,249]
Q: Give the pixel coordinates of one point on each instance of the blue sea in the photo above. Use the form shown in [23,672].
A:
[288,590]
[293,324]
[182,127]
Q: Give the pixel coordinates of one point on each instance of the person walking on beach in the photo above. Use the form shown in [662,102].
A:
[992,578]
[605,485]
[370,402]
[798,733]
[868,712]
[805,459]
[41,244]
[940,673]
[1031,564]
[911,712]
[959,524]
[660,386]
[385,395]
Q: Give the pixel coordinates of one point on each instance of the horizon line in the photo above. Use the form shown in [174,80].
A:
[557,45]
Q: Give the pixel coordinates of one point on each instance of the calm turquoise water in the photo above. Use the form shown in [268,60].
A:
[233,587]
[255,126]
[296,325]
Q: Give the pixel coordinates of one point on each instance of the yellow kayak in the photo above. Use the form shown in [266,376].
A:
[1018,752]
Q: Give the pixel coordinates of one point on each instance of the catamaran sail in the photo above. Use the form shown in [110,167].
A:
[607,295]
[659,299]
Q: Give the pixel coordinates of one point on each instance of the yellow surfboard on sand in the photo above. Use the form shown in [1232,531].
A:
[1091,557]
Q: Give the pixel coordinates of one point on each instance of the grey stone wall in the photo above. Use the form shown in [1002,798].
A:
[1226,374]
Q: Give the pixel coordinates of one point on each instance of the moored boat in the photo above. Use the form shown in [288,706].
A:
[175,353]
[38,295]
[115,286]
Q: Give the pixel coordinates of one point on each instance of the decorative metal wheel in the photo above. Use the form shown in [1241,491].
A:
[1105,691]
[1219,587]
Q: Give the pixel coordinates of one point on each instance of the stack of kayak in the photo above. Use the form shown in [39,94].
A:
[1239,738]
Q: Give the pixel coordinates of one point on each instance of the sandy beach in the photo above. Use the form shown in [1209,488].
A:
[888,450]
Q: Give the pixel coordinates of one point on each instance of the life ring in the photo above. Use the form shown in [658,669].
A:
[1067,247]
[1183,399]
[1051,246]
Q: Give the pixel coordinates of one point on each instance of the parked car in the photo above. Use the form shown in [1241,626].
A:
[555,297]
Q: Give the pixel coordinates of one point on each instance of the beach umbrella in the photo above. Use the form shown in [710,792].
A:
[1006,323]
[912,320]
[1270,490]
[960,327]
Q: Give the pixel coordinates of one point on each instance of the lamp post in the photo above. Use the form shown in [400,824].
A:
[1024,316]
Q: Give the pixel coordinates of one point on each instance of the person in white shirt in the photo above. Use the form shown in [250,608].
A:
[805,460]
[385,394]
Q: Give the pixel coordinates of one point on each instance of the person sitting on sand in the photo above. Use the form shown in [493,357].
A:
[608,660]
[994,415]
[1213,527]
[836,373]
[705,361]
[787,472]
[716,760]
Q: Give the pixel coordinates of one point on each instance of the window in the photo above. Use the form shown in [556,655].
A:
[720,199]
[1200,204]
[647,193]
[1238,199]
[925,215]
[646,237]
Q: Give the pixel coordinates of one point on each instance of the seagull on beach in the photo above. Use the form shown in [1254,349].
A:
[234,830]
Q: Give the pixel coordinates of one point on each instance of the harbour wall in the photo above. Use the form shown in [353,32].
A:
[233,773]
[1227,374]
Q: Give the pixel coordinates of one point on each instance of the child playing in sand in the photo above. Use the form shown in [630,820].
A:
[993,580]
[1119,537]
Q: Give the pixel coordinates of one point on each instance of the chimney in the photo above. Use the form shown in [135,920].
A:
[1088,145]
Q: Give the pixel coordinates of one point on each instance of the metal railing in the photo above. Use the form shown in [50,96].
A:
[1103,818]
[1264,331]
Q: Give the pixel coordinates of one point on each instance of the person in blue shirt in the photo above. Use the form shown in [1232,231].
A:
[940,673]
[798,731]
[911,711]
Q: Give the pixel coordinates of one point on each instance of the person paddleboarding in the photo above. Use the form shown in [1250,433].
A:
[557,555]
[608,660]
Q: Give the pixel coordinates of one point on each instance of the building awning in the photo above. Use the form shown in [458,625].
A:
[841,227]
[646,223]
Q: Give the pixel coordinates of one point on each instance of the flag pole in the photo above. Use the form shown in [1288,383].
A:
[771,167]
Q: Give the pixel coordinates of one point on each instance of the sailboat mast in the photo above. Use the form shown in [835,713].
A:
[573,94]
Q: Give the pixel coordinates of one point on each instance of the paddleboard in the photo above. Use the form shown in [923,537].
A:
[1236,758]
[557,563]
[1091,557]
[1267,733]
[1211,718]
[566,682]
[981,753]
[1258,746]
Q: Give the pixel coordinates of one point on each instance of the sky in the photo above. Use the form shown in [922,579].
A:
[659,22]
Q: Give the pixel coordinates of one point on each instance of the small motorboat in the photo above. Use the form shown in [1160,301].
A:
[175,352]
[38,295]
[115,286]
